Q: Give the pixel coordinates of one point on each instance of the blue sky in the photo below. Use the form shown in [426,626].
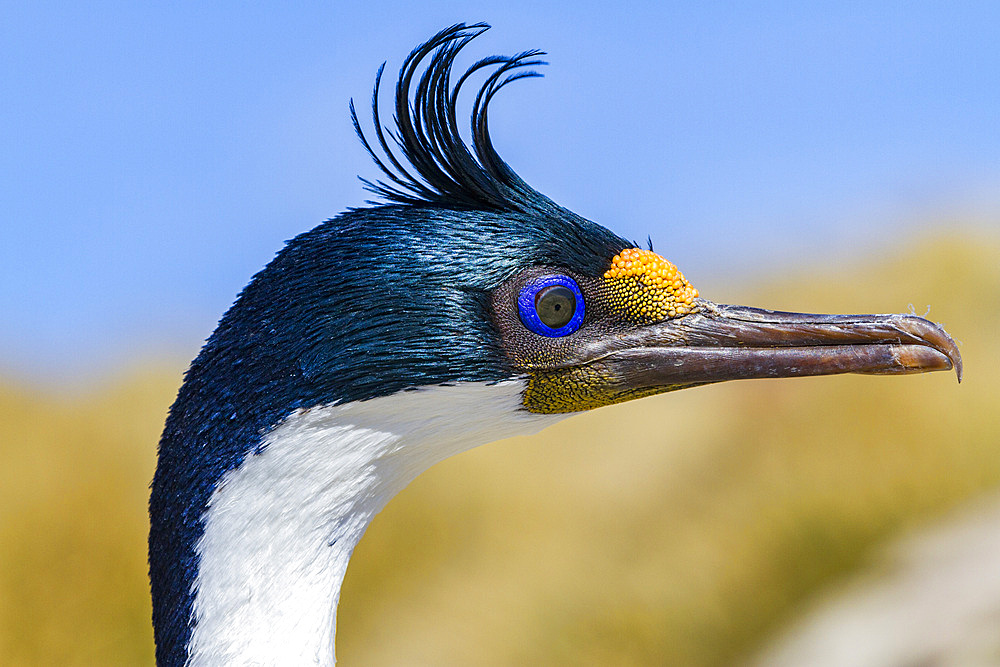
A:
[155,155]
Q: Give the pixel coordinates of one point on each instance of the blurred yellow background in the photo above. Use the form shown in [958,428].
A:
[682,529]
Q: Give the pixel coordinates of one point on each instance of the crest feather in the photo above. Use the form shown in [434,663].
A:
[436,166]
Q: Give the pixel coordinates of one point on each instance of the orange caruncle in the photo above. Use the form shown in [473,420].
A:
[647,287]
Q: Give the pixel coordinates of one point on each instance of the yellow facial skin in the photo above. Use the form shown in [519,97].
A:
[644,287]
[576,389]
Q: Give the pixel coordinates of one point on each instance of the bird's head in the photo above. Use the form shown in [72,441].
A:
[528,289]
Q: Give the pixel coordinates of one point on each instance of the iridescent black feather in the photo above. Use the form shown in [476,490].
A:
[448,174]
[373,302]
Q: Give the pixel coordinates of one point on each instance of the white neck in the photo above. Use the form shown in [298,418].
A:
[280,529]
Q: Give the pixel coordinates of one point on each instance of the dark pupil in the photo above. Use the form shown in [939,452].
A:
[555,305]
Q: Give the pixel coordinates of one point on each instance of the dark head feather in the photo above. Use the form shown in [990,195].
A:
[373,302]
[448,174]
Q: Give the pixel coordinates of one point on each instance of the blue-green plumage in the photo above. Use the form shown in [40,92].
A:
[375,301]
[367,304]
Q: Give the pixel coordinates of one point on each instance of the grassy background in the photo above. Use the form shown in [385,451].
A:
[679,529]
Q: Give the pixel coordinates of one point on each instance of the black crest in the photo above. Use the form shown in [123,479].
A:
[447,172]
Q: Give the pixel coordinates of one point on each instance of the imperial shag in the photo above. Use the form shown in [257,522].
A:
[467,308]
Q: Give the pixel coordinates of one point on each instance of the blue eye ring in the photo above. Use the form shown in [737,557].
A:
[527,305]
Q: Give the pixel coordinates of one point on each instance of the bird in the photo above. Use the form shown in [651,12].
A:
[459,307]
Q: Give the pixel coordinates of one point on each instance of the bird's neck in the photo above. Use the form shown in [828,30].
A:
[280,529]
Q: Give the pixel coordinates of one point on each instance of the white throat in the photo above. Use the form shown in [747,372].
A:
[280,529]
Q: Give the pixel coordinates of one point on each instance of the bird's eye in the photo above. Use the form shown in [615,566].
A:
[551,306]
